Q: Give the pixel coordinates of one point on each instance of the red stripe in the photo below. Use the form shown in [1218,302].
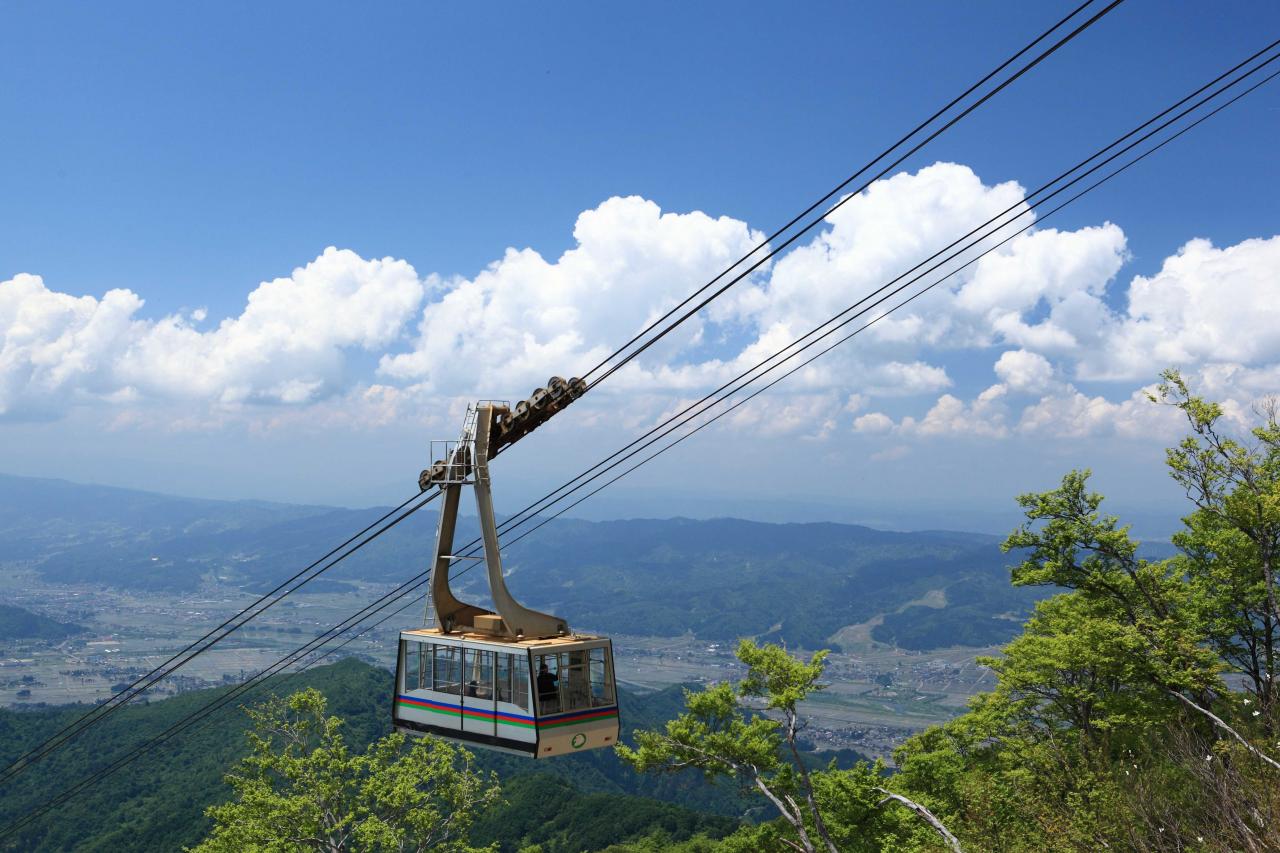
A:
[582,717]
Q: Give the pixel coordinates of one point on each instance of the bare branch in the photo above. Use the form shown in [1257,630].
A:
[928,816]
[1218,721]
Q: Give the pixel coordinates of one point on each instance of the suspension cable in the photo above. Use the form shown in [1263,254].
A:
[621,455]
[884,171]
[407,587]
[195,649]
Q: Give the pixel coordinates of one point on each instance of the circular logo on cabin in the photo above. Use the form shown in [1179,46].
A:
[578,740]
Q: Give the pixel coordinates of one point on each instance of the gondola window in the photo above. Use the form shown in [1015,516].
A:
[478,673]
[448,669]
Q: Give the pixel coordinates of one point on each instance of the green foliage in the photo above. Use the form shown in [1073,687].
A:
[1112,725]
[301,787]
[718,735]
[600,771]
[1070,543]
[1077,668]
[1232,537]
[546,811]
[158,802]
[19,624]
[732,731]
[920,629]
[1135,711]
[778,678]
[713,736]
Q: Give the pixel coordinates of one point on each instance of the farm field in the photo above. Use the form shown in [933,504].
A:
[878,694]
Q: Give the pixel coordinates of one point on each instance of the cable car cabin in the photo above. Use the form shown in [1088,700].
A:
[512,678]
[493,692]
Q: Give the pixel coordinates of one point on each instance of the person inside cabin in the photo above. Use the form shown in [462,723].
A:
[548,686]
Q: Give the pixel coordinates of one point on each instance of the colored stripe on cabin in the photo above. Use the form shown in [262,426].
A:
[507,719]
[573,717]
[435,707]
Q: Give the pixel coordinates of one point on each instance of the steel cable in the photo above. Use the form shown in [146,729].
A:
[159,673]
[409,586]
[884,171]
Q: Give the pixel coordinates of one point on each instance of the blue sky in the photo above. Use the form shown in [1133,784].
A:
[187,155]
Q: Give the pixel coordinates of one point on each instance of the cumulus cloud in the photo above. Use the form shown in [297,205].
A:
[952,416]
[1024,371]
[873,422]
[1071,414]
[1061,275]
[54,346]
[1066,341]
[287,346]
[1214,313]
[525,318]
[813,416]
[1205,305]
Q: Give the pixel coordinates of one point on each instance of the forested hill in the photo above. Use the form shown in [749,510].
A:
[19,624]
[158,802]
[801,583]
[721,579]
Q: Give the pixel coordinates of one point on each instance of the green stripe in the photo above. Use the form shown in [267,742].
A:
[482,716]
[612,716]
[428,709]
[473,717]
[517,724]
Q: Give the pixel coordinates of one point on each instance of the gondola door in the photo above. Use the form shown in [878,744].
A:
[516,724]
[478,709]
[446,671]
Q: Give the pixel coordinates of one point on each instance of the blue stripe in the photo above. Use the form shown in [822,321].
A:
[451,707]
[553,717]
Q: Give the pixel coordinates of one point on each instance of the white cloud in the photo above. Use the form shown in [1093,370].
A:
[287,346]
[1071,414]
[1062,274]
[874,238]
[1024,371]
[1044,300]
[855,403]
[873,422]
[811,416]
[951,416]
[525,318]
[54,346]
[1205,306]
[896,379]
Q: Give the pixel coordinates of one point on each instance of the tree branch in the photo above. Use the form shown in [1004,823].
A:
[928,816]
[819,823]
[1218,721]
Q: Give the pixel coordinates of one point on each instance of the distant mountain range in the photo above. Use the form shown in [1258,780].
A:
[719,579]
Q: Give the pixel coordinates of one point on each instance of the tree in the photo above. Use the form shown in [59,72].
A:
[1118,719]
[302,788]
[749,732]
[1232,538]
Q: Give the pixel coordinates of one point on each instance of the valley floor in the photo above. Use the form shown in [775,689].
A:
[878,694]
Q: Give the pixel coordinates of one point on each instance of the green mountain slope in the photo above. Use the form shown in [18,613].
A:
[720,579]
[19,624]
[728,578]
[157,802]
